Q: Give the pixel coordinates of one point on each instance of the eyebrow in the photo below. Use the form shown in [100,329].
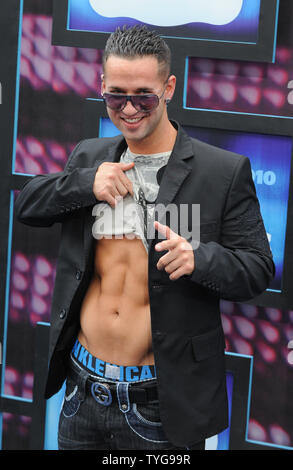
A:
[137,91]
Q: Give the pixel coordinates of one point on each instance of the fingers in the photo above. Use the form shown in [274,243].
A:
[173,258]
[180,258]
[111,183]
[168,262]
[177,262]
[127,183]
[126,166]
[177,273]
[172,237]
[112,200]
[166,245]
[122,187]
[165,230]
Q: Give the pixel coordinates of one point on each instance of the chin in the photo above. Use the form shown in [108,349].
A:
[138,134]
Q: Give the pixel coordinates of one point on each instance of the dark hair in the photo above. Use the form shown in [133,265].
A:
[138,41]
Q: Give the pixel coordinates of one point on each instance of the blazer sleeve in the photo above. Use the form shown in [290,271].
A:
[46,199]
[240,266]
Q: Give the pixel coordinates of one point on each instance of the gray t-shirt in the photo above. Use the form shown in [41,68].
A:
[133,216]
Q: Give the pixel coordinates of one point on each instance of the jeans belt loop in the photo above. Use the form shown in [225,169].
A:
[123,396]
[81,381]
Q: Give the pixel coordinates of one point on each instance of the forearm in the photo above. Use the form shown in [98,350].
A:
[47,199]
[236,275]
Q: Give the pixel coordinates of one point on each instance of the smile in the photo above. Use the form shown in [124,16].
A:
[134,120]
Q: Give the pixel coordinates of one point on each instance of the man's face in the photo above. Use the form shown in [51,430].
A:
[135,77]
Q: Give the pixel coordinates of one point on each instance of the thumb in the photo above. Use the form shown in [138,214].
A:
[126,166]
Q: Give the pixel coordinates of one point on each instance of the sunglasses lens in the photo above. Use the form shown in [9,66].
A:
[145,102]
[115,102]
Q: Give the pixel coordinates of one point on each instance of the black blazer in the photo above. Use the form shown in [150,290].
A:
[233,261]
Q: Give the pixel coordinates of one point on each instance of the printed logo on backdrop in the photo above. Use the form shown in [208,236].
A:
[175,12]
[227,20]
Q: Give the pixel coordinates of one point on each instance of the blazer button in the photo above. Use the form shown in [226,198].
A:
[78,275]
[62,314]
[158,335]
[156,286]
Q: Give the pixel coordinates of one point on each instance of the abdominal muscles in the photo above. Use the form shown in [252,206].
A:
[115,314]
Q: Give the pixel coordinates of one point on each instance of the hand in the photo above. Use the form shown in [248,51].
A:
[111,184]
[180,258]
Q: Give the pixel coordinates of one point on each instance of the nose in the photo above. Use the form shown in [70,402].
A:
[129,109]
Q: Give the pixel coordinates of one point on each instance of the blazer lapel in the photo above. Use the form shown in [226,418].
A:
[176,170]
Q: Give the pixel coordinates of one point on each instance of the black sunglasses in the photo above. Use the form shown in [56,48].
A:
[146,102]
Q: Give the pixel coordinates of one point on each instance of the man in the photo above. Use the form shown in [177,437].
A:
[136,326]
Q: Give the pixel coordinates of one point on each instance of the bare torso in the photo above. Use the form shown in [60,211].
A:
[115,314]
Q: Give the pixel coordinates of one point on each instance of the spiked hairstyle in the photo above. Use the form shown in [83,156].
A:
[138,41]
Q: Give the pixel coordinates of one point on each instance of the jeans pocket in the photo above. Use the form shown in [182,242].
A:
[71,401]
[145,422]
[149,413]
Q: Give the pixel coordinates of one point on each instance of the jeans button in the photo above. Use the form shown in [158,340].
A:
[124,407]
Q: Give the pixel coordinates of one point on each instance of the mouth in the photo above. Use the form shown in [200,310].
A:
[132,123]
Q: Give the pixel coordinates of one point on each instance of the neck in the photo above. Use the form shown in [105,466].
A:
[162,140]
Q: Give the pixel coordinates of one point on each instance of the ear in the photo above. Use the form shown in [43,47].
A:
[170,88]
[102,84]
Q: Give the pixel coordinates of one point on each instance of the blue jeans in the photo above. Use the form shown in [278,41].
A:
[93,418]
